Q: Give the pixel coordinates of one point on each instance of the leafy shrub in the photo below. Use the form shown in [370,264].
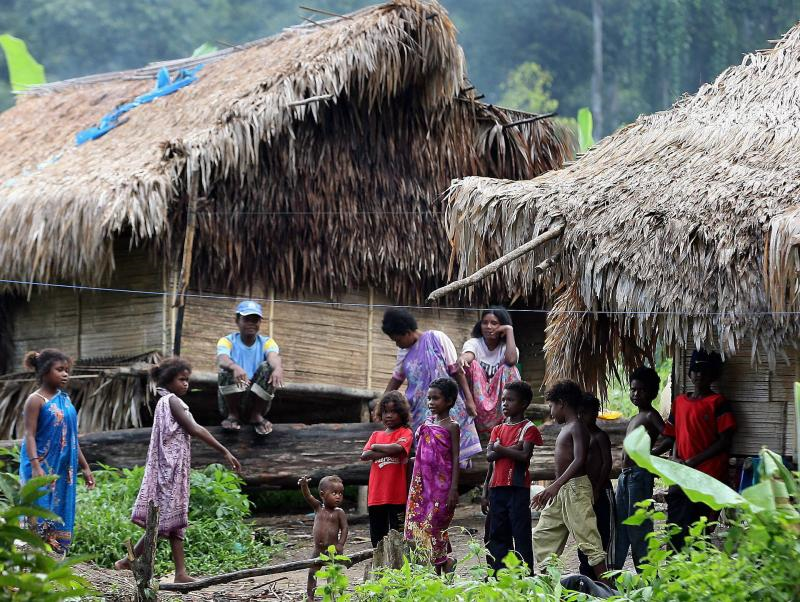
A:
[28,572]
[218,539]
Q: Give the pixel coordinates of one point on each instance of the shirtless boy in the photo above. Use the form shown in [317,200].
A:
[635,484]
[566,503]
[330,521]
[598,469]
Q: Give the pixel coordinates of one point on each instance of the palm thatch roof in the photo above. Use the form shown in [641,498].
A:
[683,226]
[315,195]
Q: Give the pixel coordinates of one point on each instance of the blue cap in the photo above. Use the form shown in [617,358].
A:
[249,308]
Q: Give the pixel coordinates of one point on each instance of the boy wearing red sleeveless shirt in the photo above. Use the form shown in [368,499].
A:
[700,427]
[507,489]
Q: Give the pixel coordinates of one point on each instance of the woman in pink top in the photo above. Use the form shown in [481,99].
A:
[489,360]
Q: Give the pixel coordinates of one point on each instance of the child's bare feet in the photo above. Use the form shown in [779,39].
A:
[183,578]
[123,564]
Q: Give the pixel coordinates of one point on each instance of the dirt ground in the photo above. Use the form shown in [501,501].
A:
[468,525]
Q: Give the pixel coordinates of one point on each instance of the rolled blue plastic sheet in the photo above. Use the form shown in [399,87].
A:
[164,87]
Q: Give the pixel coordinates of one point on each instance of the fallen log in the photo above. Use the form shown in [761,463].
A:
[316,450]
[286,567]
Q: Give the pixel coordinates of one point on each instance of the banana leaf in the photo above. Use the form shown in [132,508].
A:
[23,69]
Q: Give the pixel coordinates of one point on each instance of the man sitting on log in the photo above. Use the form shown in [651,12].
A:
[249,371]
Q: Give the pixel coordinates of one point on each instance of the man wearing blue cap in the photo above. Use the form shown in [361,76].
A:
[249,371]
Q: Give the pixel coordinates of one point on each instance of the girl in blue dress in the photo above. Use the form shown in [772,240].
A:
[50,447]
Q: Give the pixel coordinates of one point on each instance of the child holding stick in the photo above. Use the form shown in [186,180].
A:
[330,522]
[434,483]
[166,473]
[388,451]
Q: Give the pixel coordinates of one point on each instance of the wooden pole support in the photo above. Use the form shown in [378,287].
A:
[491,268]
[186,264]
[286,567]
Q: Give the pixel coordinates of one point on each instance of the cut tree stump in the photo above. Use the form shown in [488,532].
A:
[317,450]
[389,553]
[143,566]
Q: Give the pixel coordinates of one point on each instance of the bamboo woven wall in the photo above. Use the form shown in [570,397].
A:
[763,401]
[96,324]
[332,344]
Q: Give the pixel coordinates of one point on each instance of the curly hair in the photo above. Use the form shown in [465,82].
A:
[647,376]
[326,482]
[448,387]
[398,322]
[521,388]
[168,369]
[400,406]
[590,404]
[500,312]
[41,362]
[706,362]
[567,392]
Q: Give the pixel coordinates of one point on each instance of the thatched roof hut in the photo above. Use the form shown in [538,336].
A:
[313,161]
[679,230]
[362,164]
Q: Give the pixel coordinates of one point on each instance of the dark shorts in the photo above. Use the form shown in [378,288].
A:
[259,387]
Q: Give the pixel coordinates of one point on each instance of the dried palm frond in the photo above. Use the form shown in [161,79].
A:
[299,196]
[685,224]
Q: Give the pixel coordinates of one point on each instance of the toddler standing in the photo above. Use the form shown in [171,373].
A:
[388,451]
[330,521]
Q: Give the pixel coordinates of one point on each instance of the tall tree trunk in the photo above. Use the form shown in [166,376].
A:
[597,68]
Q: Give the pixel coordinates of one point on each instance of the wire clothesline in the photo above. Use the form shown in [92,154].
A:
[339,304]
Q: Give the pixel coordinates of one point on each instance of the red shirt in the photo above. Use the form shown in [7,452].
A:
[696,424]
[387,476]
[508,472]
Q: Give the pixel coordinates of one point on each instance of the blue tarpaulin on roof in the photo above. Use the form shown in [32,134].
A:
[164,86]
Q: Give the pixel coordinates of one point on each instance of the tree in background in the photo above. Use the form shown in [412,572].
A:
[651,51]
[527,88]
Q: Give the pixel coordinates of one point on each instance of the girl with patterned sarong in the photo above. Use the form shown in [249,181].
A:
[422,358]
[166,472]
[50,448]
[433,495]
[489,360]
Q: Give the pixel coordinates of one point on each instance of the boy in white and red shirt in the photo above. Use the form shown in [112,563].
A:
[507,490]
[388,451]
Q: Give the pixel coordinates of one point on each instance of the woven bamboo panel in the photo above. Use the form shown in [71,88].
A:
[529,333]
[49,319]
[319,343]
[96,324]
[763,400]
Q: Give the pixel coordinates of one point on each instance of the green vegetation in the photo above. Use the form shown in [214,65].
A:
[652,51]
[619,399]
[219,538]
[757,559]
[28,573]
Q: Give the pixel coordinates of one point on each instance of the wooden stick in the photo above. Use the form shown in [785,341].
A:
[491,268]
[528,120]
[286,567]
[547,263]
[142,567]
[305,101]
[323,12]
[313,22]
[186,264]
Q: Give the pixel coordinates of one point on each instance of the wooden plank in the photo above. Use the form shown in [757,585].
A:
[294,450]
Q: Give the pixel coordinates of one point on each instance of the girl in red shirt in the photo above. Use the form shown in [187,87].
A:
[388,451]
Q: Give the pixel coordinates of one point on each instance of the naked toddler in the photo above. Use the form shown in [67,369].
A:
[330,521]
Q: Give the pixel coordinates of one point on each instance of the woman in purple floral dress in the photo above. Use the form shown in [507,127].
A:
[422,358]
